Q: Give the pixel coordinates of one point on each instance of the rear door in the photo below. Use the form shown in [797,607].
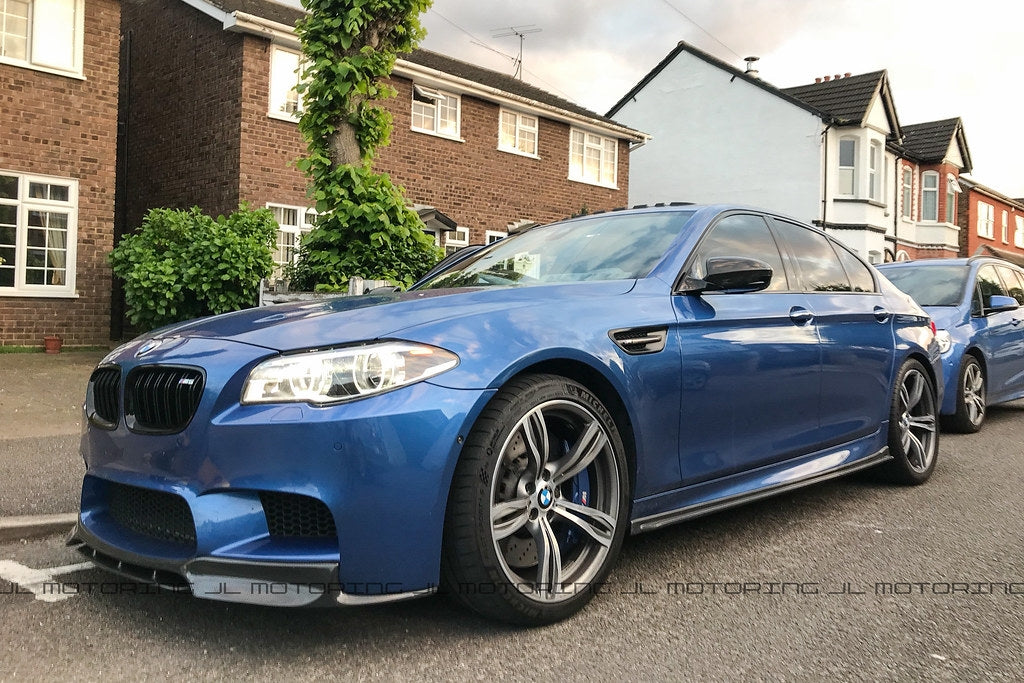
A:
[750,362]
[855,329]
[1000,334]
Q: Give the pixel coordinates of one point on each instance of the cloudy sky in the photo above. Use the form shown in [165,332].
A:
[945,58]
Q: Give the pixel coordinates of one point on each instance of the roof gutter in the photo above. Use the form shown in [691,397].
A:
[412,70]
[278,33]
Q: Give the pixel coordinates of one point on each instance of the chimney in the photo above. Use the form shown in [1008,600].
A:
[818,79]
[847,74]
[838,76]
[828,78]
[751,71]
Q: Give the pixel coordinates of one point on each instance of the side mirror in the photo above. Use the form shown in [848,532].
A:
[998,303]
[733,274]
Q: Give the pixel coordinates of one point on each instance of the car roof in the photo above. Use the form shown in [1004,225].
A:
[962,261]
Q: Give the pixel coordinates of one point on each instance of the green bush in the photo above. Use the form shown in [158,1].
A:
[184,264]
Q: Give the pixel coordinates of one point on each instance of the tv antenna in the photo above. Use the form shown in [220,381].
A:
[522,32]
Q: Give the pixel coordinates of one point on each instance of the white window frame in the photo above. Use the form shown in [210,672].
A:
[279,103]
[455,240]
[875,164]
[1006,227]
[521,128]
[925,192]
[48,20]
[298,230]
[435,95]
[986,220]
[952,190]
[583,145]
[847,176]
[492,236]
[907,194]
[1018,234]
[26,204]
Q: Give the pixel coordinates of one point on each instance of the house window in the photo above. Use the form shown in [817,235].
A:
[434,111]
[908,193]
[952,190]
[44,34]
[929,196]
[456,239]
[1018,234]
[1006,227]
[986,220]
[493,236]
[284,81]
[292,223]
[38,226]
[518,133]
[874,162]
[847,166]
[592,158]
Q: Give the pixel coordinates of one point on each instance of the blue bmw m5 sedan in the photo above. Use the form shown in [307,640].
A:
[498,429]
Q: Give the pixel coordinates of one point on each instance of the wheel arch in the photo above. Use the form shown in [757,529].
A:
[600,386]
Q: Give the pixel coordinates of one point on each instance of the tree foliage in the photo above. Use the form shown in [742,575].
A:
[364,227]
[184,264]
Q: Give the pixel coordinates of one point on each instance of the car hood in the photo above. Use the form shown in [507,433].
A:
[340,320]
[945,317]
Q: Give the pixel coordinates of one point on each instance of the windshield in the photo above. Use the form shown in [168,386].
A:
[603,247]
[930,285]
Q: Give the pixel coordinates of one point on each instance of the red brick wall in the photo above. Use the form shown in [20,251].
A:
[184,109]
[481,187]
[970,240]
[67,127]
[472,182]
[269,146]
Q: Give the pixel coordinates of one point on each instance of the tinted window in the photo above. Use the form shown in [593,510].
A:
[820,269]
[602,247]
[1012,282]
[743,235]
[930,285]
[989,285]
[859,274]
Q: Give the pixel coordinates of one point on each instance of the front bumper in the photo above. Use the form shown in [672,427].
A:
[192,510]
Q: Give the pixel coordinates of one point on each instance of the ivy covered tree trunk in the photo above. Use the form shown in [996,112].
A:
[364,226]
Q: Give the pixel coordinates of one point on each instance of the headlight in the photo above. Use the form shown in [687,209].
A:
[944,340]
[344,374]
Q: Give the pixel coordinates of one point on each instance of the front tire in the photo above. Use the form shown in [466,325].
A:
[913,427]
[970,398]
[538,505]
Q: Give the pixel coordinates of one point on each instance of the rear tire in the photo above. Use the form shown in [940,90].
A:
[539,503]
[913,427]
[970,398]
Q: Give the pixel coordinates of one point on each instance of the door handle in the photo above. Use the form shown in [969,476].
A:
[800,315]
[881,315]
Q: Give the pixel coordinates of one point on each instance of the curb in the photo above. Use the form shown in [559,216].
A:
[35,526]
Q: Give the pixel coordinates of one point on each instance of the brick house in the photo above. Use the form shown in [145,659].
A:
[58,117]
[212,121]
[990,222]
[832,152]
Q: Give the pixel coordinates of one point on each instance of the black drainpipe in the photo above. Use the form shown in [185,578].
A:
[117,303]
[824,178]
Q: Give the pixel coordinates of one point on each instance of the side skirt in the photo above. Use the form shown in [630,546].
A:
[652,522]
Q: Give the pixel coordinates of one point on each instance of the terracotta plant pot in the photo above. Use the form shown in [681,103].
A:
[52,343]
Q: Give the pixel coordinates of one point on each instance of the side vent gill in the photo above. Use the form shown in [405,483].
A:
[640,340]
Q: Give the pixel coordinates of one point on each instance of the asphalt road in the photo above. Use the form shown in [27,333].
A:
[849,580]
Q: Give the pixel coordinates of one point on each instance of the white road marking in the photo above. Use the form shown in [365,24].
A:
[41,582]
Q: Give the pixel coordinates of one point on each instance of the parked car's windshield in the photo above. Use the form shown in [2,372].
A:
[930,285]
[603,247]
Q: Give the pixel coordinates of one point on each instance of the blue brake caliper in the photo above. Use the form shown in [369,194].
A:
[579,493]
